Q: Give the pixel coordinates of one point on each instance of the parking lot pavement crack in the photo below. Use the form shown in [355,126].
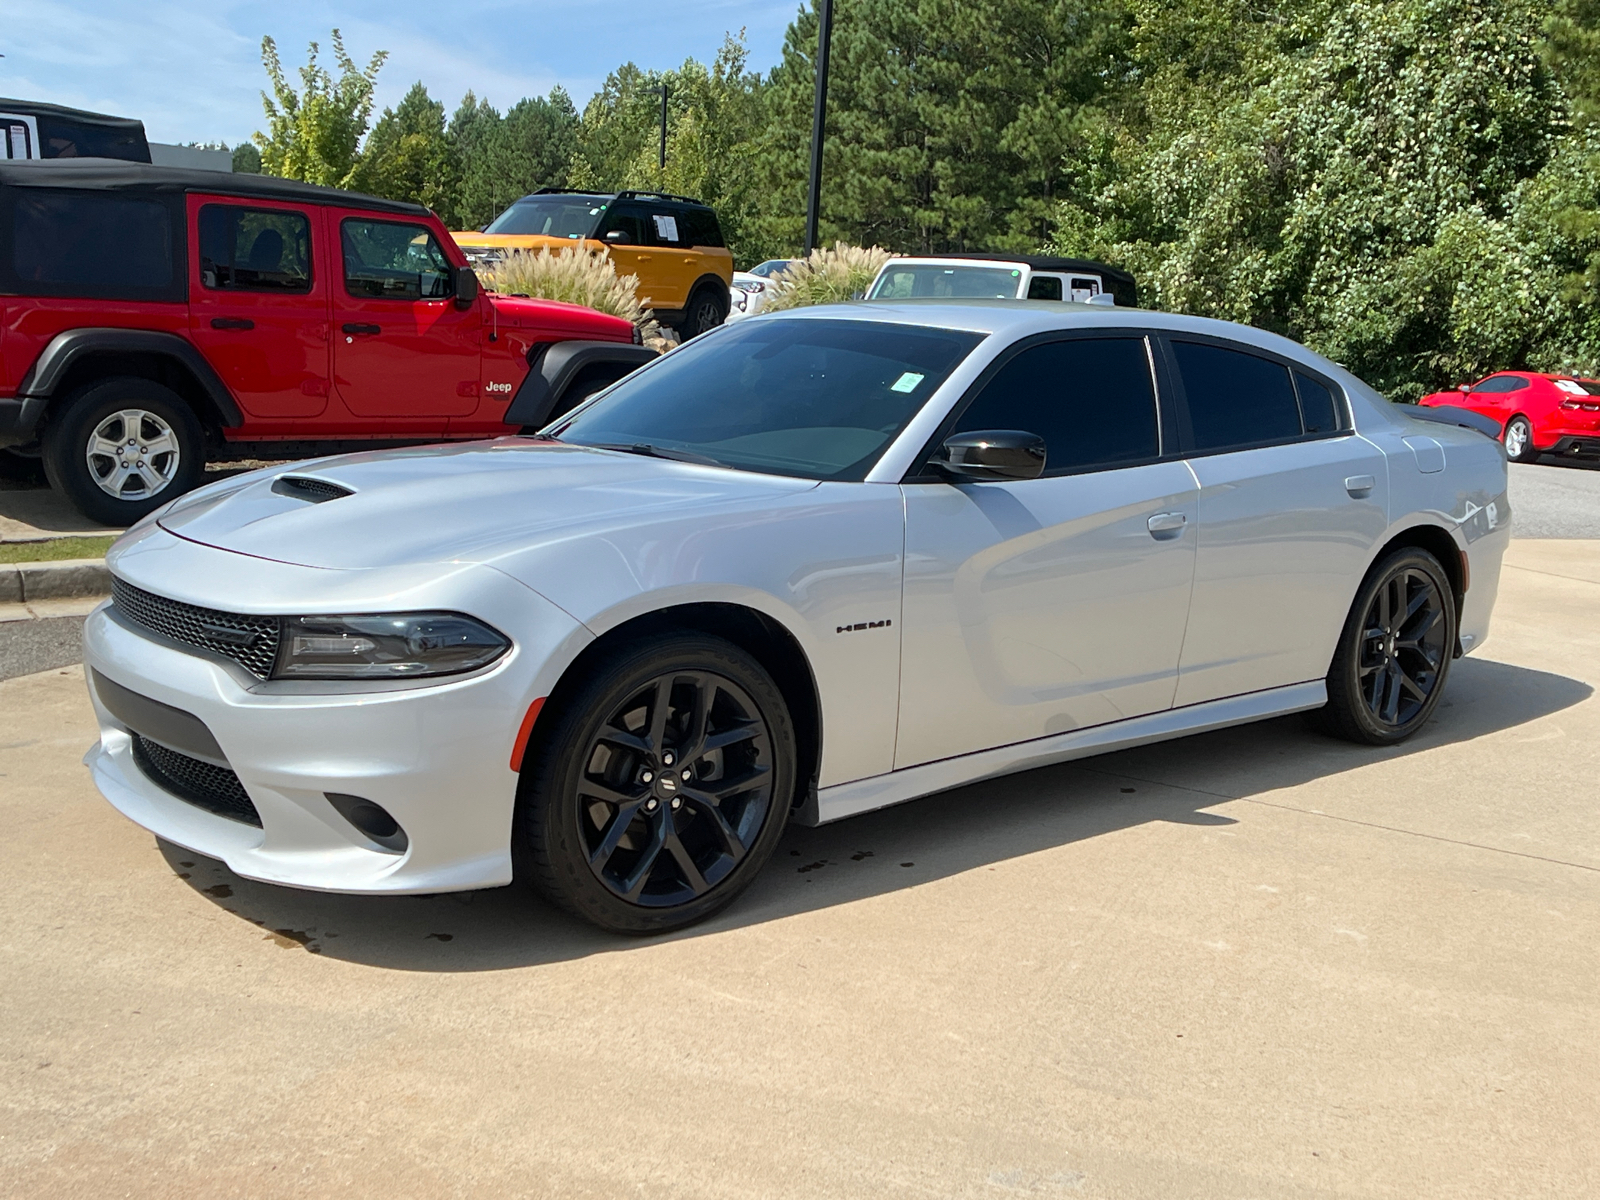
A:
[1550,574]
[1312,812]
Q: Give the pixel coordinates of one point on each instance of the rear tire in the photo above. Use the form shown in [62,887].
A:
[1518,439]
[707,308]
[1389,669]
[640,814]
[122,447]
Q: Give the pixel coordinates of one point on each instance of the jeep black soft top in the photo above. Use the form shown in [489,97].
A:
[68,133]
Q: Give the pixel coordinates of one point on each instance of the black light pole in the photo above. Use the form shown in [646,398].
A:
[824,37]
[661,159]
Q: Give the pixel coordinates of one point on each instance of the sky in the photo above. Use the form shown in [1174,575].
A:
[191,69]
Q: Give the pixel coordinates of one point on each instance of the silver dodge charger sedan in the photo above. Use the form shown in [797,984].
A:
[803,567]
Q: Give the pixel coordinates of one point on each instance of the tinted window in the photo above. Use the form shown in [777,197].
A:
[627,221]
[1091,400]
[99,244]
[1044,287]
[1235,399]
[700,227]
[663,228]
[551,216]
[392,261]
[254,249]
[1501,383]
[820,399]
[64,138]
[1317,408]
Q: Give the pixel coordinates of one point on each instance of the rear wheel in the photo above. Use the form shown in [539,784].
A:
[122,447]
[659,787]
[707,309]
[1518,438]
[1390,666]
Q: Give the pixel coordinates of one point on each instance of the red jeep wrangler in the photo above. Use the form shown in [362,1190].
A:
[152,318]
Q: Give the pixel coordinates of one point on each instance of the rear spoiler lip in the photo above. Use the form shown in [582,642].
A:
[1449,414]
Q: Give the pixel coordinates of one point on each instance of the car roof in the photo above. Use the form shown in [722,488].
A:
[110,174]
[1037,262]
[627,194]
[1023,318]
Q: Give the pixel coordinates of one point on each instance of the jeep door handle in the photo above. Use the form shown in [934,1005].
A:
[232,323]
[1167,522]
[1359,486]
[358,328]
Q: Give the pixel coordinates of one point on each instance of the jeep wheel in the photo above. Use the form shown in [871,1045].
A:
[707,309]
[122,447]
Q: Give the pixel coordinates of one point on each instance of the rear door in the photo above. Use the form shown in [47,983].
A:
[258,307]
[1039,606]
[403,352]
[1292,504]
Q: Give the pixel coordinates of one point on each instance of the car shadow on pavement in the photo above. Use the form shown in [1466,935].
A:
[890,850]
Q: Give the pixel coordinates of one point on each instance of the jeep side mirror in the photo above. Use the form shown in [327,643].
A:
[466,287]
[993,454]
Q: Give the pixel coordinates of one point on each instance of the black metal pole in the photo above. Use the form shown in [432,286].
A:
[824,37]
[662,158]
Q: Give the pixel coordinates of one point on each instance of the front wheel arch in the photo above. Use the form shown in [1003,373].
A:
[761,636]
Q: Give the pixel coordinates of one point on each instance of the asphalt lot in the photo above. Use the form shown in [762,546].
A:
[1255,963]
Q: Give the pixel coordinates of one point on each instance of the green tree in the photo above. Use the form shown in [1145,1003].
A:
[314,134]
[503,158]
[408,157]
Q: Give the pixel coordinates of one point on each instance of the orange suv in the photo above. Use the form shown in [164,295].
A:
[672,243]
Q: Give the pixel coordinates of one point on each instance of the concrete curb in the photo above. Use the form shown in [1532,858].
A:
[23,583]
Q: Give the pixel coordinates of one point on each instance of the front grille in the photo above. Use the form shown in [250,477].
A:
[215,789]
[251,641]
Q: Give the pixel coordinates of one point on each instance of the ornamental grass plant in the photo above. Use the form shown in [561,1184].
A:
[572,275]
[828,276]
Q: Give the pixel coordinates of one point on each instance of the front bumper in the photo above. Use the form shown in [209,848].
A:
[436,757]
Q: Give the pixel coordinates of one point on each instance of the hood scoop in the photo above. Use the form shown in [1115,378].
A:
[305,487]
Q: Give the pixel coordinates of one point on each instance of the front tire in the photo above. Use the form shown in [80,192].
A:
[658,787]
[122,447]
[1393,656]
[1518,439]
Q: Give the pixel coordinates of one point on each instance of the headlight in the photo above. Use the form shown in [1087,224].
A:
[386,646]
[753,285]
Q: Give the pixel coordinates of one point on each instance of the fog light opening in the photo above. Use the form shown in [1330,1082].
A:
[372,820]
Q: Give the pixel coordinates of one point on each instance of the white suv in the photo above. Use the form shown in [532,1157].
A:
[1003,277]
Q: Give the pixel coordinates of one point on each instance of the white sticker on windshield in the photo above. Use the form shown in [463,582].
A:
[906,383]
[1571,388]
[666,227]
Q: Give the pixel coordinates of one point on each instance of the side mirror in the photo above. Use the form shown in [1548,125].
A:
[616,237]
[995,454]
[466,287]
[1464,388]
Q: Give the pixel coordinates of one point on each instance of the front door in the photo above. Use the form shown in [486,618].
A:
[1292,504]
[1047,605]
[626,232]
[258,305]
[403,353]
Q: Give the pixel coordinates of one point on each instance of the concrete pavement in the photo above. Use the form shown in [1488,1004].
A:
[1255,963]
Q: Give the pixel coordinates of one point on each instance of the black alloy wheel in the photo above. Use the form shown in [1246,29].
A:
[1389,670]
[657,792]
[704,313]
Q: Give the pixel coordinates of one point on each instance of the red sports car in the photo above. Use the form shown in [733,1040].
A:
[1537,414]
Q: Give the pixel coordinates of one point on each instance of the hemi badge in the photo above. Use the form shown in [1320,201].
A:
[884,624]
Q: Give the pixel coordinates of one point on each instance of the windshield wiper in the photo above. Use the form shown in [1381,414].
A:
[649,451]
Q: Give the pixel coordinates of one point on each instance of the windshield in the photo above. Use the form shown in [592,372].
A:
[819,399]
[552,216]
[771,267]
[967,283]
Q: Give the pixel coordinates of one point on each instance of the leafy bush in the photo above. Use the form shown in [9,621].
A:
[573,275]
[828,276]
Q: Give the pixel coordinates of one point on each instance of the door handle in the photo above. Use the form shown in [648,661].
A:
[232,323]
[1359,486]
[359,328]
[1168,522]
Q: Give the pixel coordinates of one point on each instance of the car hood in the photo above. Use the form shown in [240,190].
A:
[525,312]
[471,502]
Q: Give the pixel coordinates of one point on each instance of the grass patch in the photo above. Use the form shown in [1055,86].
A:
[55,550]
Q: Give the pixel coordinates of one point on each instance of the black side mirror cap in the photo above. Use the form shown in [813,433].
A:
[466,287]
[993,454]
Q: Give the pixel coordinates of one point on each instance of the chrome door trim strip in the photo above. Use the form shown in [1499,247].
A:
[880,791]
